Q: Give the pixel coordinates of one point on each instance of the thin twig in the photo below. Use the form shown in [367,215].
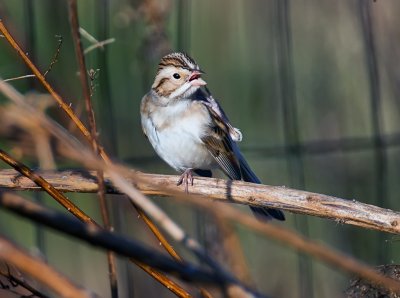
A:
[99,44]
[20,77]
[95,43]
[40,271]
[55,56]
[73,14]
[88,36]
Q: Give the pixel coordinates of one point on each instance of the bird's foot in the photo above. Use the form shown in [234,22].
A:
[186,178]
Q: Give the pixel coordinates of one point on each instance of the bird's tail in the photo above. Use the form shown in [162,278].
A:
[259,212]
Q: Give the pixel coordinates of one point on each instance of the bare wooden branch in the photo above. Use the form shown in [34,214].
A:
[40,271]
[341,210]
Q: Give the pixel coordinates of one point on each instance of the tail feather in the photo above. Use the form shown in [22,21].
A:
[259,212]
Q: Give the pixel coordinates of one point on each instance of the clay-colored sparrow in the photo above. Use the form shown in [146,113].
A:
[188,128]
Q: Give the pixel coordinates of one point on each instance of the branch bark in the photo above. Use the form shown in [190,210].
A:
[297,201]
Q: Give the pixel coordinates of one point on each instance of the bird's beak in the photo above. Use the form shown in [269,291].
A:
[195,78]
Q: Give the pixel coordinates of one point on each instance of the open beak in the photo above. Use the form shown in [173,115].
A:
[195,78]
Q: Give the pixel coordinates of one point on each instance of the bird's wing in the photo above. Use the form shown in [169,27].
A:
[219,143]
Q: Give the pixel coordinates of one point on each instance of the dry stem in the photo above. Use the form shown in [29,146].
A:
[73,13]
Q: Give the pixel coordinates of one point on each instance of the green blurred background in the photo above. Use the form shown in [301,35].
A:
[313,85]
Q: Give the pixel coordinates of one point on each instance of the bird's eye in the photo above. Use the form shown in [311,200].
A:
[176,76]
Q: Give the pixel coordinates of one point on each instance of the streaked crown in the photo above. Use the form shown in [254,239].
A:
[179,60]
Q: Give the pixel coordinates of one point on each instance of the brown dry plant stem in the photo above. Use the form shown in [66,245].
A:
[73,14]
[40,271]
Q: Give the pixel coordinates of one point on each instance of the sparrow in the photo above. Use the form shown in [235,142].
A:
[189,130]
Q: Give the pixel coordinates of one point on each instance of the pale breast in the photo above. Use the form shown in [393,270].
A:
[175,131]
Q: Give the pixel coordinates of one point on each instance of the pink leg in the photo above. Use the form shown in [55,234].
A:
[186,178]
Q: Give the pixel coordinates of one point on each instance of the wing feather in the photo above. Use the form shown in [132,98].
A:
[222,148]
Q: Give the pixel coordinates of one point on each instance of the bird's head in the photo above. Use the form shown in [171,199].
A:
[178,76]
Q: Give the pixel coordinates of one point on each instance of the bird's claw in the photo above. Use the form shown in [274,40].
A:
[186,178]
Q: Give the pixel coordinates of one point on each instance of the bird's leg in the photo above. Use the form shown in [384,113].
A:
[186,178]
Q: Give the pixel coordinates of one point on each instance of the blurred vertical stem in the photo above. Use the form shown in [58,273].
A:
[73,14]
[364,10]
[291,132]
